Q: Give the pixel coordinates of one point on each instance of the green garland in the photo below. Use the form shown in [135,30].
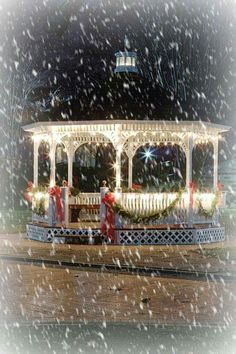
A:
[43,189]
[38,206]
[208,213]
[74,191]
[147,217]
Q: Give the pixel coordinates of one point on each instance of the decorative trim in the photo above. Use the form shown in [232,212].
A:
[59,235]
[209,235]
[170,237]
[186,236]
[156,237]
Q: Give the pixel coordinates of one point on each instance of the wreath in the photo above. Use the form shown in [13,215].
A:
[157,214]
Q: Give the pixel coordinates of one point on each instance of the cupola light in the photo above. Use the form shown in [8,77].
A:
[126,62]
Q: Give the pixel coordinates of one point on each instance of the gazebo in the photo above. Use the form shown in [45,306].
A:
[178,218]
[130,106]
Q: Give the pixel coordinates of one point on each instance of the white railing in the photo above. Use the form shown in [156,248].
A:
[206,201]
[86,199]
[145,203]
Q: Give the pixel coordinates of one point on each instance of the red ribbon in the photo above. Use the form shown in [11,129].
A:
[136,186]
[55,192]
[108,228]
[27,193]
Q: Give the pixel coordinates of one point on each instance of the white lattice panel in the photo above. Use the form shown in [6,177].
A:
[56,232]
[155,237]
[57,235]
[173,237]
[209,235]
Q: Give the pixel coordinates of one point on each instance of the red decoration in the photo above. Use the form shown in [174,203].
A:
[55,193]
[136,186]
[108,228]
[28,192]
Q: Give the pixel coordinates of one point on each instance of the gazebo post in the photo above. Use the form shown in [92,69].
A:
[130,155]
[130,172]
[70,156]
[215,173]
[118,168]
[189,167]
[53,146]
[36,162]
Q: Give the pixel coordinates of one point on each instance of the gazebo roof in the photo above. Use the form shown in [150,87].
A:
[197,127]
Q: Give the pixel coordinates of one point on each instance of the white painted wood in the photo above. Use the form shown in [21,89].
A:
[70,158]
[130,172]
[103,191]
[215,173]
[88,198]
[118,167]
[53,146]
[65,203]
[36,162]
[189,172]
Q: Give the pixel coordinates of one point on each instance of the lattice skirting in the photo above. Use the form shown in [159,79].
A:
[170,237]
[128,237]
[57,235]
[216,234]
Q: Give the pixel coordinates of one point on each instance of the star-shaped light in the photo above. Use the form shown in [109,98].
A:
[147,154]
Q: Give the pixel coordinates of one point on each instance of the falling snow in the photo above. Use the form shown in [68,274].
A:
[57,61]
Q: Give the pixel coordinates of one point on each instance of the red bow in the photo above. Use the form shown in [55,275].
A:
[55,192]
[108,229]
[28,192]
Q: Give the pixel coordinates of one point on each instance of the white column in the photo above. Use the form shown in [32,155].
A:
[130,175]
[53,146]
[65,201]
[215,174]
[70,157]
[189,174]
[189,163]
[118,168]
[36,162]
[103,191]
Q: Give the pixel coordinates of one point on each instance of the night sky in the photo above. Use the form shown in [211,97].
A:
[60,48]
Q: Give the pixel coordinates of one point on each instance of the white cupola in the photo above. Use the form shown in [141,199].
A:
[126,62]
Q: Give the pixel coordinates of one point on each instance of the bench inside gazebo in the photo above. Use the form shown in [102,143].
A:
[189,216]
